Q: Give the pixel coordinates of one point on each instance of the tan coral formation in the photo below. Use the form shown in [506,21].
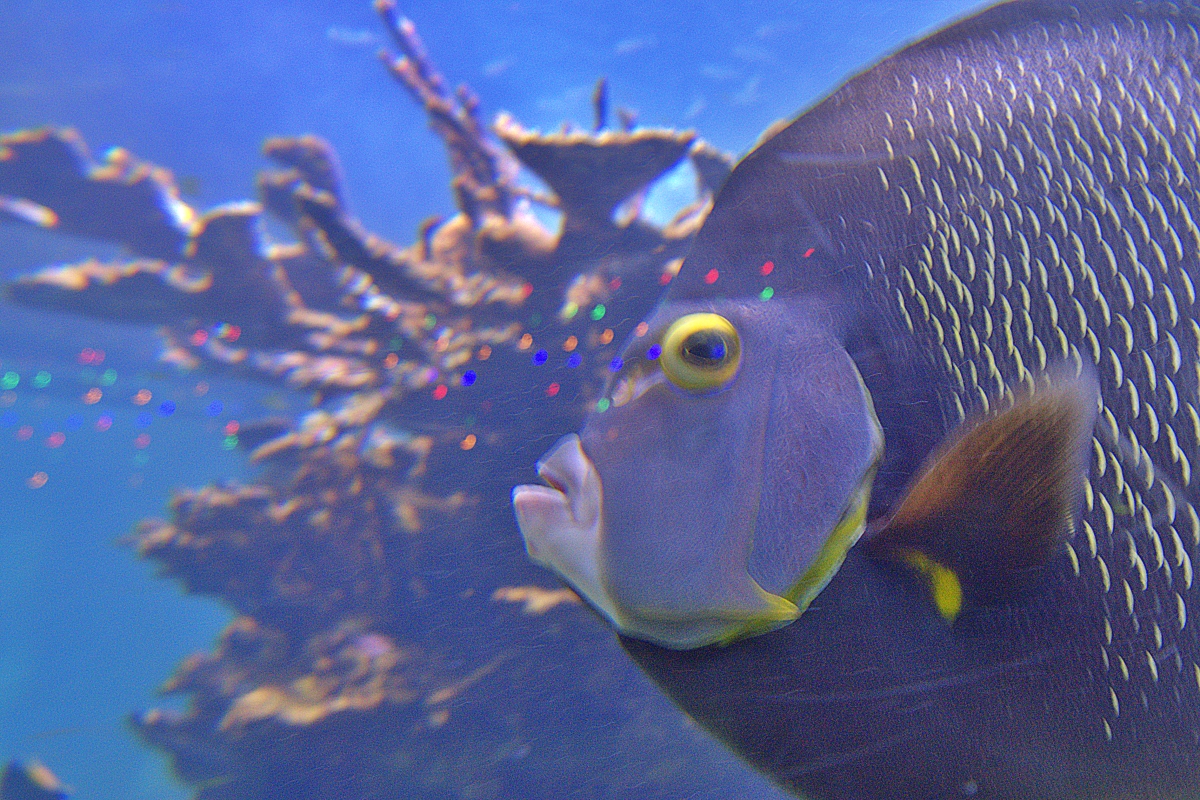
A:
[392,639]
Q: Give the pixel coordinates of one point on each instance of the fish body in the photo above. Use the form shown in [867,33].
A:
[1002,211]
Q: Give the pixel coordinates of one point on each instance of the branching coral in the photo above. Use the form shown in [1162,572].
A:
[392,639]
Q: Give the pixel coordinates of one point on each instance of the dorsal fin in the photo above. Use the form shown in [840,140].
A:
[991,509]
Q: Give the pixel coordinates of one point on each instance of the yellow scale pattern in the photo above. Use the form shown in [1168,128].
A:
[1058,221]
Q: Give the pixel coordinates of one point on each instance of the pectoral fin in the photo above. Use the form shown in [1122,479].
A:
[994,507]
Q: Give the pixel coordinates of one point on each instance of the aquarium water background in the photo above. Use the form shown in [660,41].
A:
[87,631]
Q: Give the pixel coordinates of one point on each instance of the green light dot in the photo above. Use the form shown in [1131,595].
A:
[766,294]
[602,404]
[140,458]
[570,310]
[598,312]
[535,320]
[41,380]
[430,321]
[10,380]
[109,377]
[230,442]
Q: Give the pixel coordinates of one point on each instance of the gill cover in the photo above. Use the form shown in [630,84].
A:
[720,492]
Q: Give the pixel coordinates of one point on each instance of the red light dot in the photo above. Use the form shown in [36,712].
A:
[767,267]
[711,276]
[232,427]
[526,290]
[233,333]
[24,433]
[440,391]
[87,355]
[552,390]
[614,284]
[56,439]
[199,337]
[809,252]
[142,441]
[665,278]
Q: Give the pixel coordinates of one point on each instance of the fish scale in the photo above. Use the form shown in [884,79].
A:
[1014,159]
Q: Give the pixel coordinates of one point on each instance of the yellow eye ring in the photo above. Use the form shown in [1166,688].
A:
[701,352]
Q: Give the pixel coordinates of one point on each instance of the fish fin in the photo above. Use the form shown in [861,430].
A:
[992,508]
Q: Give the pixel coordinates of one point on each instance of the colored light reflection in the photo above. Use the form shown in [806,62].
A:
[232,427]
[109,377]
[41,380]
[37,480]
[142,441]
[167,408]
[468,378]
[92,396]
[440,391]
[56,439]
[142,397]
[468,441]
[540,357]
[552,390]
[10,380]
[24,433]
[104,423]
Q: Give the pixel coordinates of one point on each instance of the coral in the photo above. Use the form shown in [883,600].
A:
[392,638]
[30,781]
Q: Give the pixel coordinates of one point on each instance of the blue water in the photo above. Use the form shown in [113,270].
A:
[86,631]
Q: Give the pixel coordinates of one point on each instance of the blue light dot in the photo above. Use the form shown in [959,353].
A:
[654,352]
[540,357]
[574,360]
[8,419]
[468,377]
[74,422]
[616,364]
[215,408]
[167,408]
[144,419]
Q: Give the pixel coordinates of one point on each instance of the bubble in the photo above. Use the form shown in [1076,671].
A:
[167,408]
[468,378]
[56,439]
[142,397]
[92,396]
[468,441]
[10,380]
[142,441]
[41,380]
[598,312]
[37,480]
[104,423]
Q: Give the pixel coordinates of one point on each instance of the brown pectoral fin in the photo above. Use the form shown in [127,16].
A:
[993,507]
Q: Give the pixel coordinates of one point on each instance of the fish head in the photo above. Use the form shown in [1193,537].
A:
[720,487]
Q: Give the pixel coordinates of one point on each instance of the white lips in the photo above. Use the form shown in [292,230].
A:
[561,523]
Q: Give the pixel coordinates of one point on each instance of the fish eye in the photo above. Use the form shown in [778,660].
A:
[701,352]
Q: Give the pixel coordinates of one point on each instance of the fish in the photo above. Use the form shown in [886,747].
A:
[894,494]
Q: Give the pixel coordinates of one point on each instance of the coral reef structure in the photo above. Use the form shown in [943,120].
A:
[391,640]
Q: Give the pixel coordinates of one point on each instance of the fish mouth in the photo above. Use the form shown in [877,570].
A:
[561,522]
[562,525]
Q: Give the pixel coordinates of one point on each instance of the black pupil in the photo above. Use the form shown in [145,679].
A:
[704,349]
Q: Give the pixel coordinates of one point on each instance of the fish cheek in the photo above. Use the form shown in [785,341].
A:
[681,476]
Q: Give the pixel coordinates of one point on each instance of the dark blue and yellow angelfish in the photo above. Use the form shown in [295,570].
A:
[927,388]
